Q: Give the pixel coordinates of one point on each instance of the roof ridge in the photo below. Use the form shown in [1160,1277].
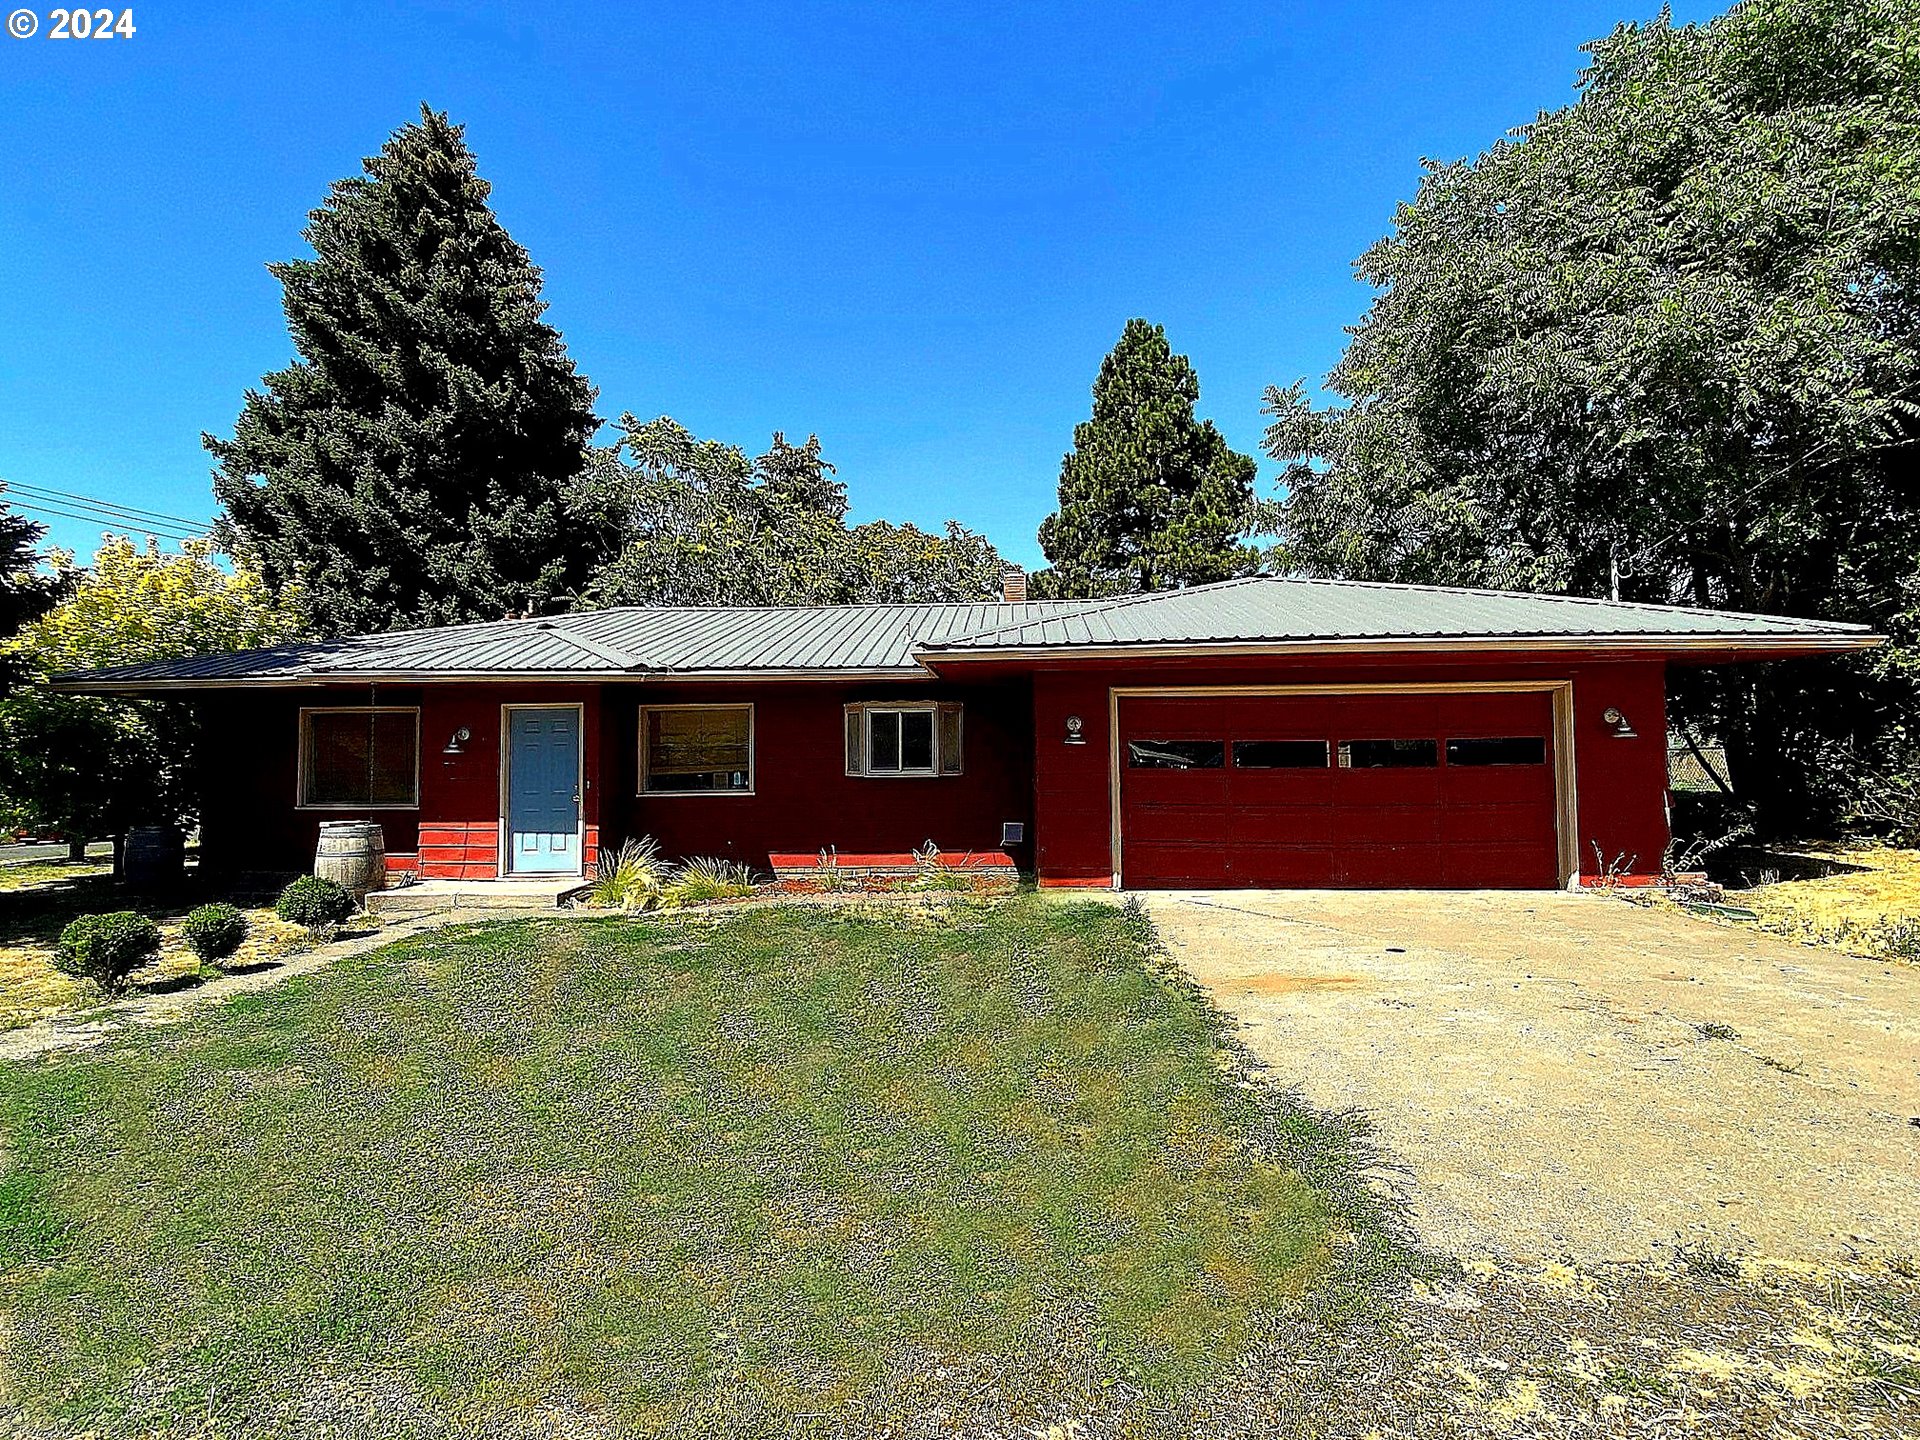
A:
[402,637]
[374,636]
[982,603]
[1101,605]
[612,654]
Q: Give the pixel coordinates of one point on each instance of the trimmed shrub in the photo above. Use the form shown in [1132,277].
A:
[214,931]
[315,902]
[106,949]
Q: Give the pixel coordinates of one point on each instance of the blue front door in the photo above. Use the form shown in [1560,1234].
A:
[543,792]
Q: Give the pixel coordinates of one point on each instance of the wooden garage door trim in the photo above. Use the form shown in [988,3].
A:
[1566,815]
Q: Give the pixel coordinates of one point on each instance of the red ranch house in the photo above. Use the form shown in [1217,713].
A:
[1259,732]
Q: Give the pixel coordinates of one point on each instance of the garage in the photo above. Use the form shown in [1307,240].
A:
[1412,789]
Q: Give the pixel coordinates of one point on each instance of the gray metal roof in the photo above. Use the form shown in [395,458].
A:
[654,642]
[903,640]
[1268,609]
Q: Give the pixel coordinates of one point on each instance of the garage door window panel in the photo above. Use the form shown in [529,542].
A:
[1497,750]
[1280,754]
[1392,754]
[1176,754]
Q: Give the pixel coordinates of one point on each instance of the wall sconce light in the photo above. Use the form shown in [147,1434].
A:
[1074,727]
[1622,727]
[457,742]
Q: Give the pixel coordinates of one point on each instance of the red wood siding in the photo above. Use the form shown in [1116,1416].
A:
[249,820]
[804,800]
[1018,765]
[460,850]
[248,761]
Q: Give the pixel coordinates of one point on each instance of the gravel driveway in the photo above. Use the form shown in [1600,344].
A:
[1574,1075]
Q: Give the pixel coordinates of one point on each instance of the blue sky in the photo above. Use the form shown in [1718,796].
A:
[914,230]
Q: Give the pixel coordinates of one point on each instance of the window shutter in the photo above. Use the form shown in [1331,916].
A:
[950,739]
[856,741]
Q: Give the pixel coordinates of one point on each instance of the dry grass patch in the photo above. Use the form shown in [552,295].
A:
[32,914]
[1872,909]
[1685,1345]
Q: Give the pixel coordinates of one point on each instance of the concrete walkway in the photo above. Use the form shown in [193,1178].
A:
[1572,1074]
[436,897]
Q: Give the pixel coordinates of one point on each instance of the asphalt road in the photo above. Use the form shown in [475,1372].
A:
[19,854]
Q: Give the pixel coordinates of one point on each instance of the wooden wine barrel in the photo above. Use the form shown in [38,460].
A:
[154,857]
[352,854]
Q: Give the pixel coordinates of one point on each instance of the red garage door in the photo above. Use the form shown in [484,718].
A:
[1416,790]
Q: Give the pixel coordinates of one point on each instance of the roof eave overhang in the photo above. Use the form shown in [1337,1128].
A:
[928,660]
[1679,646]
[83,685]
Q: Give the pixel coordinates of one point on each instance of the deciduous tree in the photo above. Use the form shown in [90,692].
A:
[84,767]
[696,522]
[1664,343]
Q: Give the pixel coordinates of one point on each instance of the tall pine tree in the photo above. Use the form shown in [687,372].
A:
[409,468]
[26,591]
[1150,497]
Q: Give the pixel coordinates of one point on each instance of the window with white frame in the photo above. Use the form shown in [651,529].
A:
[360,758]
[886,739]
[696,750]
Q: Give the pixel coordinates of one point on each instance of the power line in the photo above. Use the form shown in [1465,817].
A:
[69,497]
[157,531]
[171,532]
[44,502]
[50,494]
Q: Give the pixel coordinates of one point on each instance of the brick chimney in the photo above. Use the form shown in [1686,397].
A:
[1013,586]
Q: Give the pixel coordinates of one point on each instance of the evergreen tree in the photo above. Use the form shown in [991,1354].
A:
[26,592]
[409,467]
[799,475]
[1150,497]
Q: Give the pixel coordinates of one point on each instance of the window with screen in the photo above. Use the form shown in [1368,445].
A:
[1279,754]
[1389,754]
[1498,750]
[919,739]
[899,741]
[696,750]
[1176,754]
[362,758]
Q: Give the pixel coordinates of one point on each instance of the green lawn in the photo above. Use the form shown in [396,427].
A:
[20,874]
[667,1175]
